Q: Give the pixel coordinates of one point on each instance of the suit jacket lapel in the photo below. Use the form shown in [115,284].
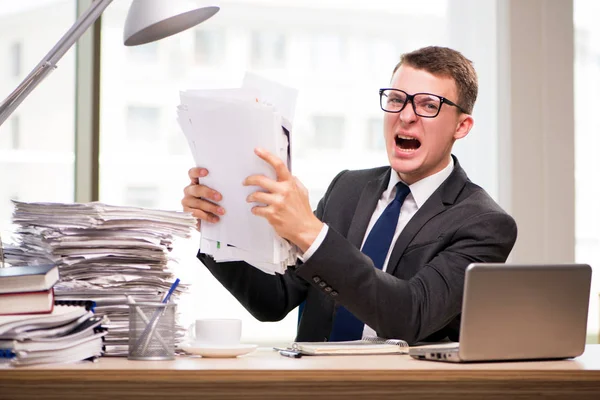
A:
[443,197]
[366,205]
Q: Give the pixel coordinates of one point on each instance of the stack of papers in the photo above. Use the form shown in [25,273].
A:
[104,253]
[223,127]
[70,333]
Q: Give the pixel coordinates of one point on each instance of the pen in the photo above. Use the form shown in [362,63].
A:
[171,290]
[291,354]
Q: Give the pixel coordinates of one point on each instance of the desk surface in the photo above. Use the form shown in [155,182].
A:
[266,374]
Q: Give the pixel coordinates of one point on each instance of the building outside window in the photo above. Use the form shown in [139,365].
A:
[15,123]
[328,52]
[328,131]
[143,122]
[37,141]
[209,46]
[268,49]
[142,196]
[374,137]
[147,53]
[16,59]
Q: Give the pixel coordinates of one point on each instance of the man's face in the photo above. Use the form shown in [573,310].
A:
[418,147]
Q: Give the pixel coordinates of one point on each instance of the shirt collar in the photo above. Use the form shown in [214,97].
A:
[423,189]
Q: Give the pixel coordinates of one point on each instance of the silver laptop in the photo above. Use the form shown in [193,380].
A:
[519,312]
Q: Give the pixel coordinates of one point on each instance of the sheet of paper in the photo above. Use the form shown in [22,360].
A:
[253,126]
[283,98]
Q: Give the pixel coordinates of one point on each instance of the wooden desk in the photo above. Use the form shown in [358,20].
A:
[265,374]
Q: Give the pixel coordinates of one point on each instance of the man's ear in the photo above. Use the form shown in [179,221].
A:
[465,123]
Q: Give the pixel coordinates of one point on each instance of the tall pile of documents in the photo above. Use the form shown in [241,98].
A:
[223,127]
[104,253]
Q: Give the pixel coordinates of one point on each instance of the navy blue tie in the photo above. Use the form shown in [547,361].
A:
[346,326]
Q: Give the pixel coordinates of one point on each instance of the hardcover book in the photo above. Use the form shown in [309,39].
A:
[31,278]
[27,302]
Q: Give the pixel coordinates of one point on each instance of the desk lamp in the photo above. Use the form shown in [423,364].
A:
[147,21]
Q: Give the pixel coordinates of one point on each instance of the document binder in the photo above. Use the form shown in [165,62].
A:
[89,305]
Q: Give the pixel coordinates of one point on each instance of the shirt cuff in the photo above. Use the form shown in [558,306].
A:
[315,245]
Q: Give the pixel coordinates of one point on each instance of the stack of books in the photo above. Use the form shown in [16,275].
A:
[28,289]
[36,328]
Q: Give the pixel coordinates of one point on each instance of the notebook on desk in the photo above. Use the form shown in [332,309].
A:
[367,345]
[519,312]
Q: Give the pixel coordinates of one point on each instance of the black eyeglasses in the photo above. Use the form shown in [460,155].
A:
[425,105]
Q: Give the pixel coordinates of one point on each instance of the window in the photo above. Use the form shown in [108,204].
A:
[38,138]
[16,59]
[142,122]
[374,136]
[386,53]
[328,132]
[587,141]
[267,50]
[177,144]
[289,42]
[147,53]
[142,196]
[209,47]
[329,52]
[15,123]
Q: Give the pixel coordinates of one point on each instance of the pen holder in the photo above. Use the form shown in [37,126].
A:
[151,331]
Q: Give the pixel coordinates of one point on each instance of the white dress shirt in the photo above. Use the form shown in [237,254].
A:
[419,193]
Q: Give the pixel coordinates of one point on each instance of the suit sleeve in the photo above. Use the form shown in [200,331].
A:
[410,309]
[266,297]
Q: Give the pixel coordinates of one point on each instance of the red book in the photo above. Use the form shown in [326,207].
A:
[41,302]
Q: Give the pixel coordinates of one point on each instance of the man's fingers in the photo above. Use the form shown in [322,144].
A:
[283,173]
[203,205]
[261,211]
[264,182]
[202,191]
[202,215]
[262,197]
[196,173]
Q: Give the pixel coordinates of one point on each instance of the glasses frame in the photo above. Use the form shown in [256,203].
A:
[410,98]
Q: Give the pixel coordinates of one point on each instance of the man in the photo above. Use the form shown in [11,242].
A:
[417,236]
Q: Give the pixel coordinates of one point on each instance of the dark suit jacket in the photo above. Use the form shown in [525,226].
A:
[419,296]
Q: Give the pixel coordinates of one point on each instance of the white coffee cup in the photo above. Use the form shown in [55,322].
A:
[216,332]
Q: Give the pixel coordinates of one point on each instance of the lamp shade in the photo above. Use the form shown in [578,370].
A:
[150,20]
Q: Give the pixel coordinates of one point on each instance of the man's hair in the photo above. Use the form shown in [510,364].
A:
[447,63]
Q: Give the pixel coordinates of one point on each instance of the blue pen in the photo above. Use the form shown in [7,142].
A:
[171,290]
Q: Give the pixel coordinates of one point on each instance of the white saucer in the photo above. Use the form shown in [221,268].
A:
[217,351]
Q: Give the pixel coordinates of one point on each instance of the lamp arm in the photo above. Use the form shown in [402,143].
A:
[48,63]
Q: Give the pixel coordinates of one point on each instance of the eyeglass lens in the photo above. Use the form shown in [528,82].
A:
[425,105]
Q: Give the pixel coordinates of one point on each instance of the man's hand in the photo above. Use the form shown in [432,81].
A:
[287,207]
[201,200]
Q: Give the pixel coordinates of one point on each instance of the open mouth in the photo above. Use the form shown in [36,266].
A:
[407,143]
